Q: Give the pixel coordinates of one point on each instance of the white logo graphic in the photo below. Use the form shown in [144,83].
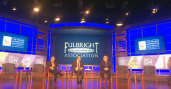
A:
[13,59]
[147,61]
[142,45]
[7,41]
[72,49]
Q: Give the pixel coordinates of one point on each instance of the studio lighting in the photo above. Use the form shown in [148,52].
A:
[82,20]
[119,24]
[14,9]
[36,9]
[154,10]
[57,19]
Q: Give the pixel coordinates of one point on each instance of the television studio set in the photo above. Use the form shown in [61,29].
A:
[85,44]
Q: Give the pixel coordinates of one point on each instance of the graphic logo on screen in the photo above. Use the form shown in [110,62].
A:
[13,59]
[72,49]
[7,41]
[147,61]
[142,45]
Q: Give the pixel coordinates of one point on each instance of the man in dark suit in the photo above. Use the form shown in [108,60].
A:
[53,67]
[78,68]
[105,67]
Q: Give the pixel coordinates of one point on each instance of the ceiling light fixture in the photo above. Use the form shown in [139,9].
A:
[14,9]
[154,10]
[119,24]
[82,20]
[57,19]
[87,12]
[107,21]
[45,21]
[127,14]
[36,9]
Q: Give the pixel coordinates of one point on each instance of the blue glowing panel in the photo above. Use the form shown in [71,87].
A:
[2,22]
[27,33]
[12,30]
[104,26]
[112,27]
[13,25]
[2,28]
[147,29]
[27,28]
[150,33]
[60,25]
[89,24]
[29,48]
[166,25]
[168,47]
[166,31]
[51,25]
[30,41]
[133,36]
[135,31]
[73,24]
[132,43]
[167,38]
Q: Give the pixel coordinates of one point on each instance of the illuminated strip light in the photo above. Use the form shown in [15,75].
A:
[80,50]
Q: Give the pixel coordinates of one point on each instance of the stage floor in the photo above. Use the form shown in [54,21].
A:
[94,84]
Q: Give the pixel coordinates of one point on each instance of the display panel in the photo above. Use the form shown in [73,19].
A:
[13,42]
[90,48]
[154,44]
[22,60]
[138,62]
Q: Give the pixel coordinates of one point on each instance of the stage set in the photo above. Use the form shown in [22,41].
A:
[140,54]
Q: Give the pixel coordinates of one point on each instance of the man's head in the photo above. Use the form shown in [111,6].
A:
[78,58]
[105,58]
[52,59]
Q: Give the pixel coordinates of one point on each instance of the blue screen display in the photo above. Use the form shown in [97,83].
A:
[13,42]
[90,48]
[154,44]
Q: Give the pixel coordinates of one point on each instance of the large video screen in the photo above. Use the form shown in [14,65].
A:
[154,44]
[138,62]
[13,42]
[22,60]
[90,48]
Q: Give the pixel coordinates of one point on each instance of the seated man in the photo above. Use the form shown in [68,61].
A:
[53,67]
[105,67]
[78,67]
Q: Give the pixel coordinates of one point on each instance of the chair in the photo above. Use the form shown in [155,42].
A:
[8,69]
[38,70]
[50,74]
[106,75]
[149,72]
[123,72]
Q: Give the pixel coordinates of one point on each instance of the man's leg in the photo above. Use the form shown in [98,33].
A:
[78,73]
[102,75]
[82,75]
[109,74]
[55,73]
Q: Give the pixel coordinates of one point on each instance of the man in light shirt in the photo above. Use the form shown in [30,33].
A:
[78,68]
[53,67]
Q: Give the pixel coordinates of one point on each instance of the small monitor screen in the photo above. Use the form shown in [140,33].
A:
[154,44]
[13,42]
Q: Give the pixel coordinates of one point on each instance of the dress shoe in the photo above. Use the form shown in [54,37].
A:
[104,81]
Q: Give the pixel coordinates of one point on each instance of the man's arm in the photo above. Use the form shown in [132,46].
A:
[57,65]
[101,66]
